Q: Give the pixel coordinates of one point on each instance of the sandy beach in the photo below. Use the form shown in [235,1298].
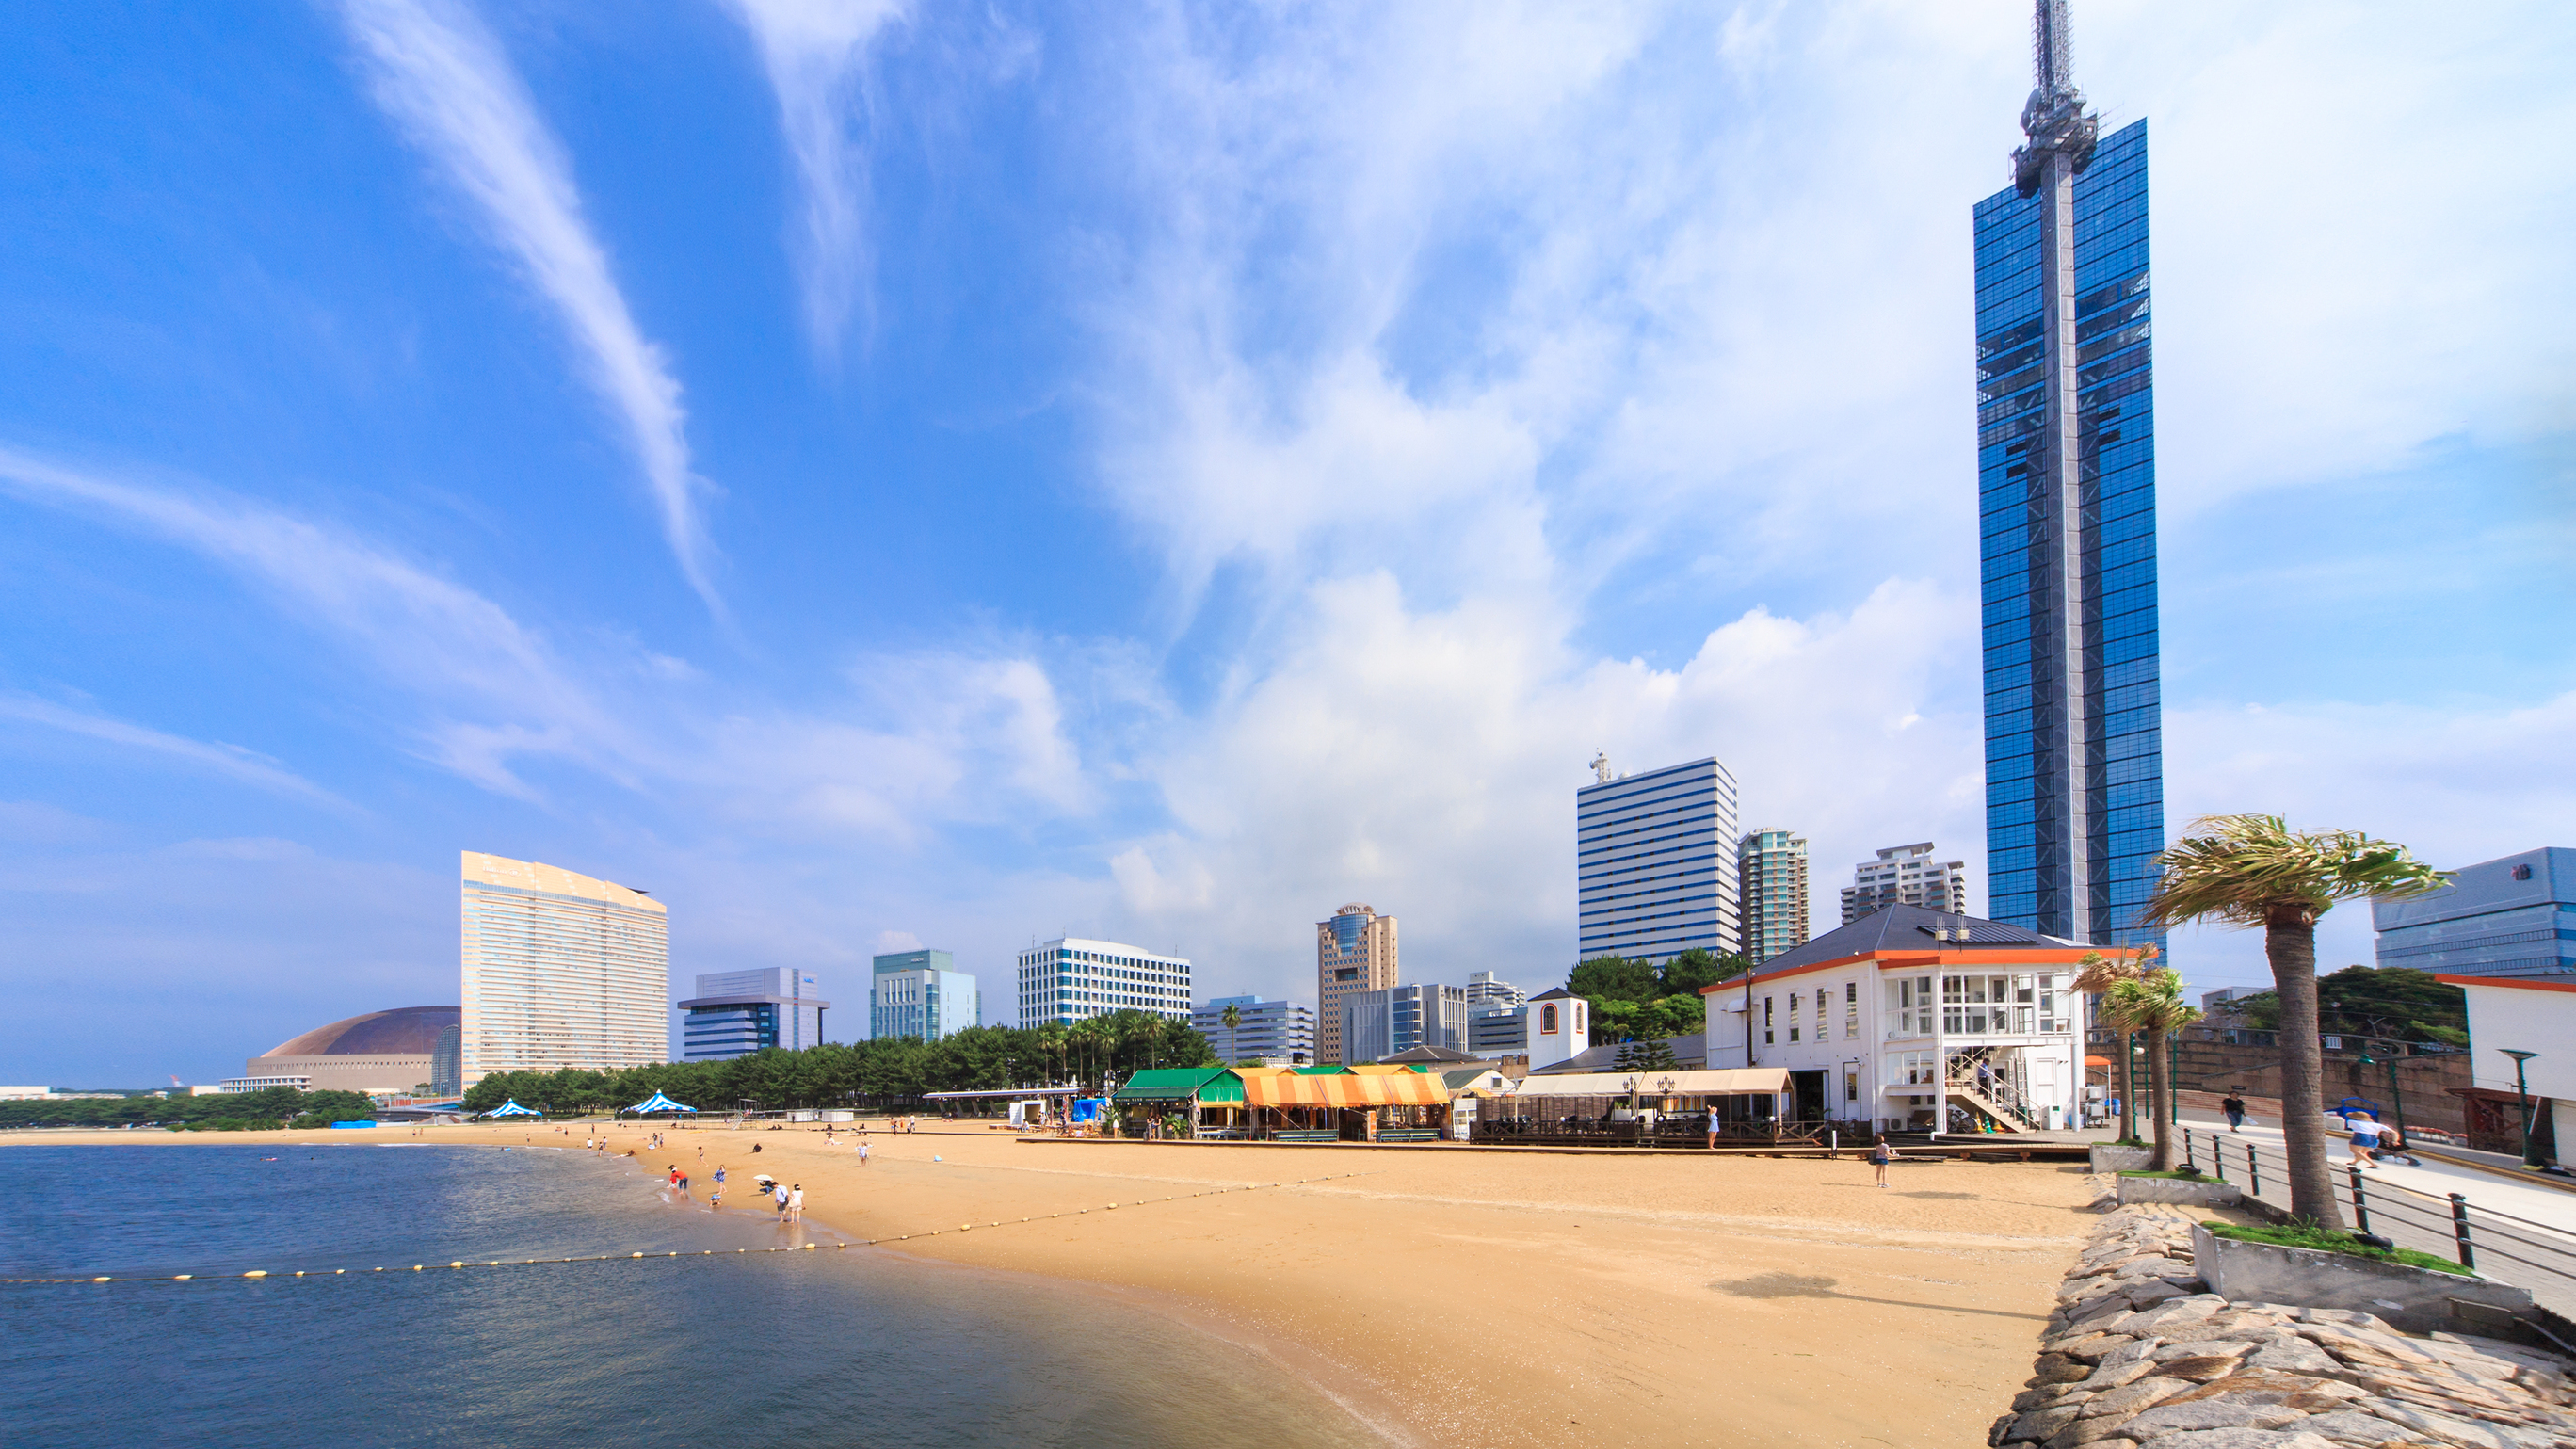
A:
[1460,1298]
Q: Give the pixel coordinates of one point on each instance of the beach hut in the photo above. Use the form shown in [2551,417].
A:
[1156,1092]
[657,1103]
[511,1108]
[1336,1104]
[1616,1109]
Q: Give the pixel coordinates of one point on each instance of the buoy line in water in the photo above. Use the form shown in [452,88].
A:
[460,1264]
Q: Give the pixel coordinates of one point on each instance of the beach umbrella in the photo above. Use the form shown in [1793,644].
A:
[660,1103]
[511,1108]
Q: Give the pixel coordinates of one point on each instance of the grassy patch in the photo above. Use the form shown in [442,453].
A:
[2327,1241]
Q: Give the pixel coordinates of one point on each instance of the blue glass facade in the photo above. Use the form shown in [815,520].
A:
[2067,523]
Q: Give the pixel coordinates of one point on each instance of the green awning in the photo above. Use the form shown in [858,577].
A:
[1173,1084]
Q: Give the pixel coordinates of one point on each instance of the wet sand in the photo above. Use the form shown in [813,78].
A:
[1462,1298]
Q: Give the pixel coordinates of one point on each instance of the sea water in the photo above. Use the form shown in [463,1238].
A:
[828,1347]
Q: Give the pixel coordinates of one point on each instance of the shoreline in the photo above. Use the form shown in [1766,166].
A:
[1463,1298]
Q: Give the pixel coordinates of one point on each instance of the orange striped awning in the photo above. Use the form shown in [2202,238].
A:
[1283,1088]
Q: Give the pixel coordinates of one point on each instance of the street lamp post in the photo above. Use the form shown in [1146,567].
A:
[2522,1089]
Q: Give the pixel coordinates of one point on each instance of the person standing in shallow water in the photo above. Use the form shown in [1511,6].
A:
[1880,1154]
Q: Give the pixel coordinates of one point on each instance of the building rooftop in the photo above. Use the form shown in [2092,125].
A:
[1903,928]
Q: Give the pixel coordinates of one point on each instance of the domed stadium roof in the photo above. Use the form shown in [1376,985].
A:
[403,1031]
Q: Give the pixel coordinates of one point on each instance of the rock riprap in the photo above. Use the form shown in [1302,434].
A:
[2139,1356]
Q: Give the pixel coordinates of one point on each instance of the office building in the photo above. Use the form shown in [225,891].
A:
[2510,917]
[1354,952]
[1494,1032]
[377,1052]
[1771,890]
[1070,979]
[736,1013]
[2066,502]
[1906,875]
[1655,862]
[921,994]
[1281,1031]
[560,971]
[1484,990]
[1378,1024]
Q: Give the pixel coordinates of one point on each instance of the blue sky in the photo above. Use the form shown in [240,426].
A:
[877,474]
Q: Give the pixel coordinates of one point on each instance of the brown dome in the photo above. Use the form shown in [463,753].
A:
[403,1031]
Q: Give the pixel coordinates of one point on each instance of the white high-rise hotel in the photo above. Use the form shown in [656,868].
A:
[560,971]
[1654,862]
[1070,979]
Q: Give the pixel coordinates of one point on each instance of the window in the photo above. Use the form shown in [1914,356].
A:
[1909,1007]
[1851,1086]
[1547,1020]
[1766,1021]
[1911,1069]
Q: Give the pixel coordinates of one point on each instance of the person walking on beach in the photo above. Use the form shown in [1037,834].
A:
[2364,1127]
[1880,1154]
[863,1152]
[782,1202]
[2234,1106]
[796,1204]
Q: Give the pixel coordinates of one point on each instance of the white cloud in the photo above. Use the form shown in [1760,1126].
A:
[234,761]
[438,72]
[816,54]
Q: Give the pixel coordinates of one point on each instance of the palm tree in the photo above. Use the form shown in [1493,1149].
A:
[2152,1003]
[2254,870]
[2100,974]
[1232,1018]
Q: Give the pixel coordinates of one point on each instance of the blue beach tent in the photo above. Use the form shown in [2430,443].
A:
[511,1108]
[659,1103]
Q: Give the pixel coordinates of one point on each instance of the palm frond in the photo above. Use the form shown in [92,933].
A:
[2240,869]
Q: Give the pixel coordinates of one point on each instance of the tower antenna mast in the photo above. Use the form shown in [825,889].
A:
[2055,119]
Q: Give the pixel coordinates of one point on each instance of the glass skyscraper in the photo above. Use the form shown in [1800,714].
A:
[2066,499]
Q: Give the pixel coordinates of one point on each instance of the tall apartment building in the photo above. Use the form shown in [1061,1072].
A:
[1771,889]
[736,1013]
[1354,952]
[1484,990]
[1263,1030]
[559,971]
[1654,862]
[1399,1018]
[921,994]
[2066,466]
[1906,875]
[1071,979]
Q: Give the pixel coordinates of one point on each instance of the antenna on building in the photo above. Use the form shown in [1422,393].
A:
[1601,766]
[2055,118]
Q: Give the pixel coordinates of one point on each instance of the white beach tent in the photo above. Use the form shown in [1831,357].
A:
[511,1108]
[659,1103]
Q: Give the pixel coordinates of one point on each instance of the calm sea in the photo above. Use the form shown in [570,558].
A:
[823,1348]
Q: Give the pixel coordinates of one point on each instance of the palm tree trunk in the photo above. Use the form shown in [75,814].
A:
[2128,1085]
[2290,945]
[2159,1098]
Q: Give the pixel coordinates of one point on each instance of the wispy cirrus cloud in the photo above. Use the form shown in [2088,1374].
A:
[439,73]
[247,766]
[815,52]
[436,638]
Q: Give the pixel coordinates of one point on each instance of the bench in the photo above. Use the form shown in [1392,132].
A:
[1322,1135]
[1408,1134]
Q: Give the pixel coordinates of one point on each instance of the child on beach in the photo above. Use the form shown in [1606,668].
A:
[1880,1154]
[863,1152]
[796,1204]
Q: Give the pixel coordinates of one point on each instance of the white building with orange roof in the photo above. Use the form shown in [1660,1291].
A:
[1909,1019]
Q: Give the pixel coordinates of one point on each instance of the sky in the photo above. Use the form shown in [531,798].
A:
[880,475]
